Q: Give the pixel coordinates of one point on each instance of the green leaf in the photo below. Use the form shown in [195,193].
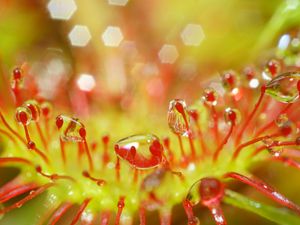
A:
[281,216]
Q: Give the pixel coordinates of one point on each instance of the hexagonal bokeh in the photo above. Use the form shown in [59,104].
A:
[80,36]
[112,36]
[192,35]
[118,2]
[168,54]
[61,9]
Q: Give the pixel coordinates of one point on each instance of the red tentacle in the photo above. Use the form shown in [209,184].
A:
[218,215]
[59,213]
[265,189]
[80,211]
[16,191]
[32,195]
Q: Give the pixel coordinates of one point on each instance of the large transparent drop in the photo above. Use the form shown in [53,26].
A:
[178,118]
[142,151]
[284,87]
[209,191]
[69,128]
[35,109]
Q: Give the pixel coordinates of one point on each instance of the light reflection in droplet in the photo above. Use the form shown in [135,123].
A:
[61,9]
[168,54]
[112,36]
[254,83]
[284,42]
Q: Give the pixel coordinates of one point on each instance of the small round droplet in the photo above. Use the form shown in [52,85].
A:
[276,152]
[229,79]
[23,115]
[140,151]
[17,73]
[70,128]
[284,87]
[232,116]
[178,118]
[31,145]
[208,191]
[268,142]
[35,109]
[210,96]
[271,69]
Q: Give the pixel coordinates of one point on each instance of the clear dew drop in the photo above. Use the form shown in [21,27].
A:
[271,69]
[178,119]
[69,128]
[140,151]
[34,108]
[268,142]
[276,152]
[284,87]
[210,96]
[23,115]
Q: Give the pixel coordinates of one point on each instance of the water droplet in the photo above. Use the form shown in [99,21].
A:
[284,87]
[281,120]
[268,142]
[232,116]
[35,109]
[271,69]
[140,151]
[276,152]
[210,96]
[229,78]
[47,109]
[23,115]
[70,128]
[178,118]
[208,191]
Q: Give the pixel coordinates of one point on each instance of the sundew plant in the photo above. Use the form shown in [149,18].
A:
[58,150]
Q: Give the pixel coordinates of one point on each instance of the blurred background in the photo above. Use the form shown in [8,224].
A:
[136,55]
[121,52]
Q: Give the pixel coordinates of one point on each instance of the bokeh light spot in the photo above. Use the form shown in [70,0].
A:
[168,54]
[118,2]
[61,9]
[86,82]
[80,36]
[112,36]
[192,35]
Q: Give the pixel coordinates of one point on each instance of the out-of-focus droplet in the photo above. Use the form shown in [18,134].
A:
[23,115]
[153,180]
[70,128]
[209,191]
[284,42]
[79,36]
[112,36]
[281,120]
[229,78]
[276,152]
[178,118]
[168,54]
[47,109]
[284,87]
[254,83]
[232,116]
[35,109]
[140,151]
[210,96]
[272,69]
[192,35]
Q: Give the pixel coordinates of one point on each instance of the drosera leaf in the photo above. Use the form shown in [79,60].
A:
[281,216]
